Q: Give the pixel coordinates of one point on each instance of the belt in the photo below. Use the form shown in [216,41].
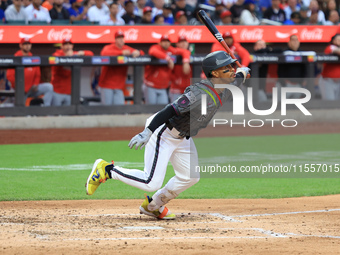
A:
[174,131]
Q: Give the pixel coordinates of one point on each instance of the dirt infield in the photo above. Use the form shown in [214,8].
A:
[307,225]
[279,226]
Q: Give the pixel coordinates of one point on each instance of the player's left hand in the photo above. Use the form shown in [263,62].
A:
[141,139]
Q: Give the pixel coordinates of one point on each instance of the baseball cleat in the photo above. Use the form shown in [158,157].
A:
[97,176]
[162,213]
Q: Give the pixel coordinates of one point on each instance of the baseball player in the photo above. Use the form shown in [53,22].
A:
[112,78]
[181,74]
[236,48]
[329,82]
[34,86]
[168,137]
[157,78]
[61,75]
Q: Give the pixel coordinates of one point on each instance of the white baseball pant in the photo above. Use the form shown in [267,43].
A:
[155,96]
[61,99]
[112,96]
[164,145]
[289,95]
[45,89]
[329,88]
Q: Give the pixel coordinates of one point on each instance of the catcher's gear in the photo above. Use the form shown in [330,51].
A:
[216,60]
[140,139]
[245,71]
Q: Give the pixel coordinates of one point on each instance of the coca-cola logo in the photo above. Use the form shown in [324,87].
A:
[194,34]
[251,34]
[59,35]
[1,34]
[314,34]
[131,34]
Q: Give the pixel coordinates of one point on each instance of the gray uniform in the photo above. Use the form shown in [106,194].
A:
[188,107]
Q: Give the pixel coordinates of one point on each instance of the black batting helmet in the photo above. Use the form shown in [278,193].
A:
[216,60]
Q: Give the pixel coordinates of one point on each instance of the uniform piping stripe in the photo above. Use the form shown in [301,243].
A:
[215,92]
[175,109]
[154,164]
[209,95]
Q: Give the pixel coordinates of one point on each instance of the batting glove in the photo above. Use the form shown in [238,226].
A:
[244,70]
[141,139]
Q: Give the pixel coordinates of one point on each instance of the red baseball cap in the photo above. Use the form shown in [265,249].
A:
[227,34]
[179,14]
[147,9]
[119,33]
[25,40]
[66,40]
[165,38]
[225,14]
[182,38]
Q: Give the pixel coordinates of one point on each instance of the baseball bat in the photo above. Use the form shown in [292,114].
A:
[213,30]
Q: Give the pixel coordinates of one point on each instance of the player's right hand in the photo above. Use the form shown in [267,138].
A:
[141,139]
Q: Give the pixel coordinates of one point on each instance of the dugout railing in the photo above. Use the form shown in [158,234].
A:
[76,62]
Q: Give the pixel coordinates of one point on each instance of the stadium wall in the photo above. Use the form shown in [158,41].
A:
[95,121]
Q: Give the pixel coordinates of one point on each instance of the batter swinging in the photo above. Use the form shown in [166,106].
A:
[167,137]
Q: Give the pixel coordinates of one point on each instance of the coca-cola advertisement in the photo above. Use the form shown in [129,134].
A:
[59,34]
[152,34]
[251,34]
[131,34]
[315,34]
[194,34]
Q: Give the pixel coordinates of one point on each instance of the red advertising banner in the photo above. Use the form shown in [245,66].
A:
[152,34]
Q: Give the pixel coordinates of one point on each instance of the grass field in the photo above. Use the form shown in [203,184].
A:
[58,171]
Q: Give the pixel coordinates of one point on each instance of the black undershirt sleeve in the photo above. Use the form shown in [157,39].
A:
[161,117]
